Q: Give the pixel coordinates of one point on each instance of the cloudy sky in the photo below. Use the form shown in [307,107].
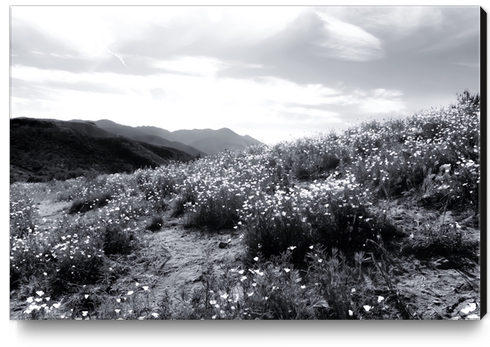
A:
[274,73]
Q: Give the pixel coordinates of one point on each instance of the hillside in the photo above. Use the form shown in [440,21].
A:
[380,222]
[41,150]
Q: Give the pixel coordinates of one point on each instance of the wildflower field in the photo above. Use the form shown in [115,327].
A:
[381,221]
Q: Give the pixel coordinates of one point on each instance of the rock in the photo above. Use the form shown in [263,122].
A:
[222,244]
[443,264]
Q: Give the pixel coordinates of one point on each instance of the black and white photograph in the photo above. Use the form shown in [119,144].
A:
[247,163]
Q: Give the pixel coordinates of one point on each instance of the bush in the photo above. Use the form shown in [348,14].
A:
[155,224]
[117,240]
[59,259]
[157,185]
[22,212]
[215,212]
[447,240]
[97,201]
[333,212]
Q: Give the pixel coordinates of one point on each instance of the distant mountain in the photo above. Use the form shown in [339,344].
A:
[157,132]
[152,135]
[43,149]
[195,142]
[215,145]
[214,141]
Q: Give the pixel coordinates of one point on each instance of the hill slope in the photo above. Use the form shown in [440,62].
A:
[41,150]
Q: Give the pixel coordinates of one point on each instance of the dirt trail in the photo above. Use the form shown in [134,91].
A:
[436,286]
[51,208]
[174,258]
[433,293]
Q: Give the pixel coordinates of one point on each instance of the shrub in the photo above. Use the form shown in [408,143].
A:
[117,240]
[157,185]
[333,212]
[60,258]
[309,158]
[351,288]
[217,212]
[398,157]
[22,212]
[155,224]
[446,239]
[278,291]
[97,201]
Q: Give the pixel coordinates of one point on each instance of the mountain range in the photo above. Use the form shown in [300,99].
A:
[43,149]
[195,142]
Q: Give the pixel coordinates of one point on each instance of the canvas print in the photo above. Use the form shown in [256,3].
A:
[242,163]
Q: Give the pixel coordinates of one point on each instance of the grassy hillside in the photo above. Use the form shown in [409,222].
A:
[42,150]
[337,226]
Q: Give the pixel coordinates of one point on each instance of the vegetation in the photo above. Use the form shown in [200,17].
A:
[319,218]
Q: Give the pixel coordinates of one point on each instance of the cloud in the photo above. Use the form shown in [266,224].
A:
[157,93]
[199,99]
[90,30]
[61,79]
[389,22]
[378,106]
[471,65]
[308,115]
[346,41]
[200,66]
[118,57]
[378,101]
[267,70]
[84,29]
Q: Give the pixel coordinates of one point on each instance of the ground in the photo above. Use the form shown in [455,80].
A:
[172,260]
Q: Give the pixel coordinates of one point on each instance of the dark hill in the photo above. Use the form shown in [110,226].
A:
[41,150]
[83,127]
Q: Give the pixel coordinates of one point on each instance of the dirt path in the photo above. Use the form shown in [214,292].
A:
[434,293]
[49,208]
[437,287]
[174,258]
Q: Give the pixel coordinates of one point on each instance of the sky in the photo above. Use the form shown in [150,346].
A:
[271,72]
